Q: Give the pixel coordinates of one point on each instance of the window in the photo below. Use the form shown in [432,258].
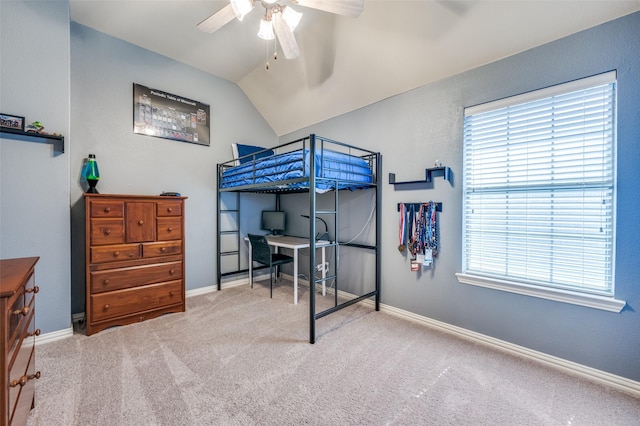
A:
[539,192]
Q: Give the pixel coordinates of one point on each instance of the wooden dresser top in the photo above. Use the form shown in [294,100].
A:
[14,272]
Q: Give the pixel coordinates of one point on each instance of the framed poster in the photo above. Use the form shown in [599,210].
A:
[168,116]
[12,122]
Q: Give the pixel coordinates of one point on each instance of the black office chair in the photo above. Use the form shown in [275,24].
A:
[261,253]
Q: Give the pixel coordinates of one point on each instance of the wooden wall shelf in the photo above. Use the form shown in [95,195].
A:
[57,141]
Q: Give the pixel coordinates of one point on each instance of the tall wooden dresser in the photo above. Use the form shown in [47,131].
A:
[134,258]
[17,333]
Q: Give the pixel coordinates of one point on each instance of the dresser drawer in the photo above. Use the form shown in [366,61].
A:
[107,209]
[19,375]
[169,208]
[161,248]
[15,316]
[117,279]
[30,289]
[21,330]
[21,396]
[114,253]
[107,231]
[169,228]
[135,300]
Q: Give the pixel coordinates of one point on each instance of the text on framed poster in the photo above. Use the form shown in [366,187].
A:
[164,115]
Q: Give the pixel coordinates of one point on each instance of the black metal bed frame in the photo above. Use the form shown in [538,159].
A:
[314,144]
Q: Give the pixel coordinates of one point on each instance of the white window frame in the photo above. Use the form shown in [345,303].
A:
[483,276]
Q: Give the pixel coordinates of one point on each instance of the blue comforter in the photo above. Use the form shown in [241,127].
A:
[332,169]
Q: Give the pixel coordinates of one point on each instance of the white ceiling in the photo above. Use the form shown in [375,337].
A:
[345,63]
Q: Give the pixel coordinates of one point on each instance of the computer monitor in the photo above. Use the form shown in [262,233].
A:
[273,221]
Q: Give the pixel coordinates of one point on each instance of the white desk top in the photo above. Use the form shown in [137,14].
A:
[288,241]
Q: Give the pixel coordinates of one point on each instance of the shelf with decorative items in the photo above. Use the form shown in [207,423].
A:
[55,139]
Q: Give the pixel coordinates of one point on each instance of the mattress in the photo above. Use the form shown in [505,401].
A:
[332,169]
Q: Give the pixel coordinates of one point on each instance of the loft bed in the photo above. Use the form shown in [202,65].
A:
[312,165]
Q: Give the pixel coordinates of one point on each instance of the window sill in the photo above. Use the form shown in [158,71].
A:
[589,300]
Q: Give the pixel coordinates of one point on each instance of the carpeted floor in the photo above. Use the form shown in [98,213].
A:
[237,357]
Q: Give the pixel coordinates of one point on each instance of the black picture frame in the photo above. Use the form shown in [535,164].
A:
[12,122]
[164,115]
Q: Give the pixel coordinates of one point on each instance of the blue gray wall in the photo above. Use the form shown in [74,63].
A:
[103,70]
[414,129]
[34,179]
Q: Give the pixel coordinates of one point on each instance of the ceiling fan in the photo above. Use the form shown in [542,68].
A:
[279,17]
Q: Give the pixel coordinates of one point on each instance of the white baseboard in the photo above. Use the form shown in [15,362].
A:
[54,335]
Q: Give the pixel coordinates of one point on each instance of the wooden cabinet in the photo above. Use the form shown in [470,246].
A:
[134,258]
[17,334]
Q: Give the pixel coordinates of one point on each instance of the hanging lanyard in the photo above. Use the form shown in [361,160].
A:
[402,227]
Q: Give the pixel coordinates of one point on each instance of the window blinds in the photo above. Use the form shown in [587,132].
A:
[539,187]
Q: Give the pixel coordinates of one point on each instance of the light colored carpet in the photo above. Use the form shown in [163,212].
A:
[237,357]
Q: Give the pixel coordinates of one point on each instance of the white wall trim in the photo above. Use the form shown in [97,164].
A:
[589,300]
[598,376]
[213,288]
[54,335]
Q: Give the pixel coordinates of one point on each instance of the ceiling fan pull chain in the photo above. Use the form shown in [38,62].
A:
[267,64]
[275,50]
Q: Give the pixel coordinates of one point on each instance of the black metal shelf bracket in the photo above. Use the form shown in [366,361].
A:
[430,173]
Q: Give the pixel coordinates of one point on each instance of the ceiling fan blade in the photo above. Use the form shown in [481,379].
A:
[286,38]
[216,21]
[351,8]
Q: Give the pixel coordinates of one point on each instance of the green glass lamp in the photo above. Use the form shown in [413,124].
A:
[91,173]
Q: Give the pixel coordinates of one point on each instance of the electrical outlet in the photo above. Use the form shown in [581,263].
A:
[323,267]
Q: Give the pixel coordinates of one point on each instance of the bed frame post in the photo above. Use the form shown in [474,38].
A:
[378,226]
[312,233]
[218,243]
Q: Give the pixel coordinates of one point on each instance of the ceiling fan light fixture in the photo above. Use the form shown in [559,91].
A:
[291,17]
[266,30]
[241,8]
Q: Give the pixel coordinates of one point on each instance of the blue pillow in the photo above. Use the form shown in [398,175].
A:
[240,150]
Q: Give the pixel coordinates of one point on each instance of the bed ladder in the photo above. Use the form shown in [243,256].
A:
[231,213]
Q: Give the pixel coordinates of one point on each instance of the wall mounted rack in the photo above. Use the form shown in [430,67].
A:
[57,141]
[430,173]
[416,206]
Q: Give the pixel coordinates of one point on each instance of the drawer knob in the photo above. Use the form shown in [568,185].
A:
[169,209]
[24,379]
[172,271]
[21,381]
[24,311]
[163,249]
[107,209]
[116,253]
[141,222]
[36,332]
[107,231]
[105,308]
[34,289]
[105,282]
[170,294]
[170,229]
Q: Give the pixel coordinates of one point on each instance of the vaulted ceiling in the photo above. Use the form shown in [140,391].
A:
[345,63]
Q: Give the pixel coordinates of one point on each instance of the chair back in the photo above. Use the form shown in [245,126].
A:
[260,250]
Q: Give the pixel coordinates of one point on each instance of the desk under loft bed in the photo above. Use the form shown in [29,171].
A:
[312,165]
